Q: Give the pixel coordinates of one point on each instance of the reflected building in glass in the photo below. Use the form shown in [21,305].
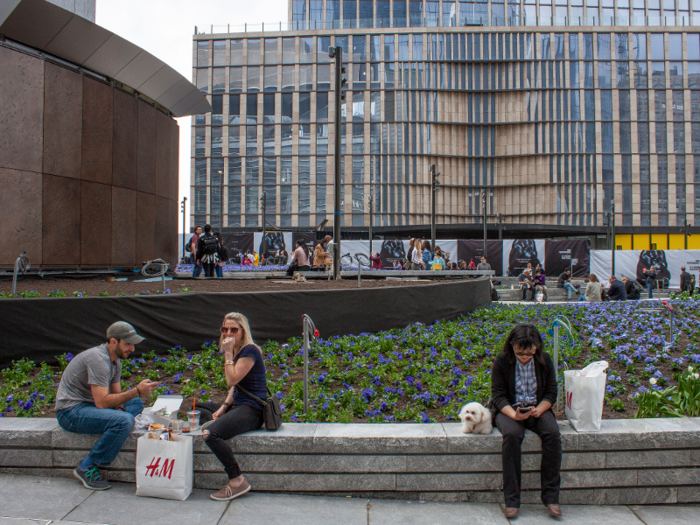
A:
[554,109]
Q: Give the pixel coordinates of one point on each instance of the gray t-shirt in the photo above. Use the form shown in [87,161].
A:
[91,367]
[483,266]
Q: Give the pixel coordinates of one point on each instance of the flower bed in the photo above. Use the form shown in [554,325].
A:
[420,373]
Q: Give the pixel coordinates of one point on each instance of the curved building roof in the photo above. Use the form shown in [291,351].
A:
[50,28]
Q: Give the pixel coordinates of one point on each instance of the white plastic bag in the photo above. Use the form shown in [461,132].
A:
[539,297]
[585,393]
[164,468]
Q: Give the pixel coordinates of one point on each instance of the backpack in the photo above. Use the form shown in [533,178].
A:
[210,245]
[189,245]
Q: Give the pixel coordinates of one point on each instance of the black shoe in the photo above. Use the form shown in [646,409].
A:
[91,478]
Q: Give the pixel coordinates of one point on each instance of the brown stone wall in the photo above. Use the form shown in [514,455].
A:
[89,173]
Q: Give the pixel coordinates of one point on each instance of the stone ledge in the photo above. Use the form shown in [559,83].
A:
[627,462]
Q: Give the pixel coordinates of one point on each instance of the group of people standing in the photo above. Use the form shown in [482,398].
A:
[208,252]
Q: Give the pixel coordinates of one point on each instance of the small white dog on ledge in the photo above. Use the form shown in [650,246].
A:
[476,419]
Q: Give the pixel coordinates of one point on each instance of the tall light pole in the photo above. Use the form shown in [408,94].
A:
[263,208]
[500,227]
[371,213]
[483,205]
[184,233]
[685,231]
[337,54]
[434,188]
[612,234]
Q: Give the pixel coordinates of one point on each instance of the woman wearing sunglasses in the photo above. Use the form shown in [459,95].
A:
[244,368]
[523,390]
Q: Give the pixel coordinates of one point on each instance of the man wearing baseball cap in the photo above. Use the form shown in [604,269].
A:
[89,394]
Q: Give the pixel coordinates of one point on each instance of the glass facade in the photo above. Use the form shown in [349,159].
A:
[554,118]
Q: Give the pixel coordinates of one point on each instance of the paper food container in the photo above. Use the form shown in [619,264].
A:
[168,404]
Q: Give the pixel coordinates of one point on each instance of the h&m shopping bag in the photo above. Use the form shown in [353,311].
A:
[164,468]
[585,393]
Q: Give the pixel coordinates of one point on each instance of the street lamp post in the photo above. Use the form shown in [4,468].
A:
[500,227]
[263,207]
[612,234]
[434,188]
[371,211]
[337,54]
[685,232]
[483,205]
[184,233]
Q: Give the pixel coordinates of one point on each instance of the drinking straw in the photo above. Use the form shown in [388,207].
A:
[194,404]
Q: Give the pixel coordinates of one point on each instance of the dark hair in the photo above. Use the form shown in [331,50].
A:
[195,228]
[593,278]
[524,335]
[302,244]
[207,228]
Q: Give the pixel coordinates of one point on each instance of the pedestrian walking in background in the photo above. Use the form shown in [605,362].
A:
[208,251]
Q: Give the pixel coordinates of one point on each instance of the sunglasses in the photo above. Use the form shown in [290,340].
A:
[233,330]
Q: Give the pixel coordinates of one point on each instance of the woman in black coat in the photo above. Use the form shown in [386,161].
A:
[523,390]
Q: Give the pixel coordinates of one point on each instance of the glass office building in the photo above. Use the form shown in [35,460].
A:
[551,110]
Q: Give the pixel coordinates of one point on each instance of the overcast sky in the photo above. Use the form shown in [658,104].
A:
[164,28]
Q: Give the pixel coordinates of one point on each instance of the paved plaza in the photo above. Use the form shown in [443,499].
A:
[26,500]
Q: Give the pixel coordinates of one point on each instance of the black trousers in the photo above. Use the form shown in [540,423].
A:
[238,420]
[291,270]
[513,433]
[209,269]
[525,288]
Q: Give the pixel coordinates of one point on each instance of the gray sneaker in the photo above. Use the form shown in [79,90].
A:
[91,478]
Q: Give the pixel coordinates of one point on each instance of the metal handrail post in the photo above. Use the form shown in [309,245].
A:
[306,365]
[556,363]
[21,264]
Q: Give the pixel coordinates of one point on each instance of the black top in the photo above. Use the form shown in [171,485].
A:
[617,292]
[685,281]
[632,290]
[255,380]
[563,277]
[503,381]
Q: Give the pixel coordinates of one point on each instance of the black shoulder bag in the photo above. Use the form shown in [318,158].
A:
[272,412]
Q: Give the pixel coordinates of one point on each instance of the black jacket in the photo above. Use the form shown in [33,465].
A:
[617,292]
[632,290]
[503,381]
[685,281]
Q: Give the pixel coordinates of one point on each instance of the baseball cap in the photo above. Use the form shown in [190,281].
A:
[123,330]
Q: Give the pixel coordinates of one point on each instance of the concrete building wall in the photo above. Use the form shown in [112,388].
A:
[86,169]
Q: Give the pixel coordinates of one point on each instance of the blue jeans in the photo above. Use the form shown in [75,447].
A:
[114,425]
[198,268]
[569,288]
[219,271]
[650,290]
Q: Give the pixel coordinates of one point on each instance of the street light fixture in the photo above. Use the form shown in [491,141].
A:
[337,54]
[434,188]
[263,208]
[371,213]
[184,234]
[483,205]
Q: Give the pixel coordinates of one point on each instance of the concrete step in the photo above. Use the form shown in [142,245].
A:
[627,462]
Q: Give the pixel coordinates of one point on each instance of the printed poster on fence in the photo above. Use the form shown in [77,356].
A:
[517,253]
[568,254]
[632,263]
[472,250]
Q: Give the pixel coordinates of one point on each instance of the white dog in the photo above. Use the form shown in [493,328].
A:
[475,419]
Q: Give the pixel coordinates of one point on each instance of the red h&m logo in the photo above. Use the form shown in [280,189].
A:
[165,472]
[569,395]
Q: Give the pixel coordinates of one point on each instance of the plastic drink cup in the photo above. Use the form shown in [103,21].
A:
[177,426]
[193,418]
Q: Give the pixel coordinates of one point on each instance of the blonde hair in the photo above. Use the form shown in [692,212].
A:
[246,338]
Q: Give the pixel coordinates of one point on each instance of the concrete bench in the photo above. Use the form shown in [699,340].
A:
[638,461]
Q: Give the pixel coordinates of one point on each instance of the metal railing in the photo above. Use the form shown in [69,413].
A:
[23,265]
[461,21]
[155,268]
[309,333]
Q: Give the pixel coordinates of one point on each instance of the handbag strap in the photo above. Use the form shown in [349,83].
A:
[253,395]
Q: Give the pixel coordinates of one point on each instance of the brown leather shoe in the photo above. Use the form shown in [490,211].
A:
[554,510]
[511,512]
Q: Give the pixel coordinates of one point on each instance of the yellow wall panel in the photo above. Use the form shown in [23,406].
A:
[661,240]
[694,242]
[641,241]
[624,240]
[677,241]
